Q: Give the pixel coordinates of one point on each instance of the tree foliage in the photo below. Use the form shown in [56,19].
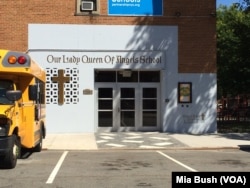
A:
[233,49]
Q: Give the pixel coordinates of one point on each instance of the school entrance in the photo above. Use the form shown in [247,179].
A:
[127,100]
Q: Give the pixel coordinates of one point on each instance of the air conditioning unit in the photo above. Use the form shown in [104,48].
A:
[87,6]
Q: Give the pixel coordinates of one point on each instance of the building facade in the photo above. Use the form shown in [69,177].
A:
[120,65]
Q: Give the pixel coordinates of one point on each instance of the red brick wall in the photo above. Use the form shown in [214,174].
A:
[197,28]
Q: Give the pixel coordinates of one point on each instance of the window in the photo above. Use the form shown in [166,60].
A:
[105,76]
[150,76]
[5,85]
[127,76]
[41,93]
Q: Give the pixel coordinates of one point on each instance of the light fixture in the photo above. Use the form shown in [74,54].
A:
[126,73]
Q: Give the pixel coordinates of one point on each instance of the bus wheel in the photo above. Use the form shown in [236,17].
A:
[14,153]
[39,146]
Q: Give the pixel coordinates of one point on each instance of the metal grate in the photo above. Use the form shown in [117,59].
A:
[70,92]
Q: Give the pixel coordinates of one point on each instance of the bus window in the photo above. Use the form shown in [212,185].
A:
[5,85]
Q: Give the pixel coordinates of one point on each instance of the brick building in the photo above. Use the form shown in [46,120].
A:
[125,64]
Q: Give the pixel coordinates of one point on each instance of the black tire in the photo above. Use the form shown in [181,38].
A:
[11,157]
[39,146]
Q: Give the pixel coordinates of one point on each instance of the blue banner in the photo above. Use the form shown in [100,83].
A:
[135,7]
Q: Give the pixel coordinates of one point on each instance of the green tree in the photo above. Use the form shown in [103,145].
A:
[233,49]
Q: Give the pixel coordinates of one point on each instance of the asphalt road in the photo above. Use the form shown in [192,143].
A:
[117,168]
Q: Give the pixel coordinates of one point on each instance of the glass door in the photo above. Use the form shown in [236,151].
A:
[127,104]
[105,106]
[149,107]
[127,107]
[117,107]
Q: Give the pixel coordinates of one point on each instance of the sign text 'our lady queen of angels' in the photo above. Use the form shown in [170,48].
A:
[135,7]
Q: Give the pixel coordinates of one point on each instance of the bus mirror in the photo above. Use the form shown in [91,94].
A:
[13,95]
[33,92]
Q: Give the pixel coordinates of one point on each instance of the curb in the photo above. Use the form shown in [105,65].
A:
[172,148]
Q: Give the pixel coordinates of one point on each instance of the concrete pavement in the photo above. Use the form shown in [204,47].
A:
[229,140]
[83,141]
[144,140]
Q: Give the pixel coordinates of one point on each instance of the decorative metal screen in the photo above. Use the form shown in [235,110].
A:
[65,79]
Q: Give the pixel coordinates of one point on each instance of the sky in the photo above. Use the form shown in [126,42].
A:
[226,2]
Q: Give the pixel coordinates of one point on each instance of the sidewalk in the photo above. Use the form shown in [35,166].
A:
[145,140]
[230,140]
[83,141]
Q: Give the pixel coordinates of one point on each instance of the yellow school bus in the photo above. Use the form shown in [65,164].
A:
[22,106]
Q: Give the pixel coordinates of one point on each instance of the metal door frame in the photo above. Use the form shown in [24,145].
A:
[138,106]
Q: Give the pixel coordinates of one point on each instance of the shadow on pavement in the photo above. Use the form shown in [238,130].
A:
[237,136]
[26,153]
[245,148]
